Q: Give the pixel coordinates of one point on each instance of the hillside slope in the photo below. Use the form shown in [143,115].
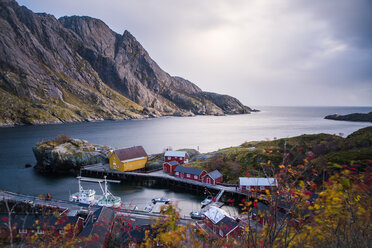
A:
[77,68]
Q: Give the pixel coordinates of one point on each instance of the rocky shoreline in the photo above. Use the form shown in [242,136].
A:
[358,117]
[149,116]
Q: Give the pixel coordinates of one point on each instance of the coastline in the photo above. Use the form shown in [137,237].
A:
[2,125]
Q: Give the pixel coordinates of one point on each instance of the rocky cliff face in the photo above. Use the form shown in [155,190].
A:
[77,68]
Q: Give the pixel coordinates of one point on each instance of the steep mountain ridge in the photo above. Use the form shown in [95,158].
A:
[77,68]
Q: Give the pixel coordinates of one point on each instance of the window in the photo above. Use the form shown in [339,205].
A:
[248,187]
[187,175]
[22,231]
[169,157]
[195,177]
[40,231]
[177,173]
[262,187]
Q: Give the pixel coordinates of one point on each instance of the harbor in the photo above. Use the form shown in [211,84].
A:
[159,178]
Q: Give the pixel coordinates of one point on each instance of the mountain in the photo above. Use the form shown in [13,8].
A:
[77,68]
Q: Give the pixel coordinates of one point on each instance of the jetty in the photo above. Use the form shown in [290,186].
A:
[159,177]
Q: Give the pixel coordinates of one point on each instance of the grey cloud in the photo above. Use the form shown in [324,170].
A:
[262,51]
[349,20]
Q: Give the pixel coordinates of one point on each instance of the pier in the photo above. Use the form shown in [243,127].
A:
[163,179]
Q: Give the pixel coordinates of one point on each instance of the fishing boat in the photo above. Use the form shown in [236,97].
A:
[88,196]
[197,215]
[160,199]
[149,207]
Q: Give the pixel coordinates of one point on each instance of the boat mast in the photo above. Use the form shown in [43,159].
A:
[105,187]
[80,188]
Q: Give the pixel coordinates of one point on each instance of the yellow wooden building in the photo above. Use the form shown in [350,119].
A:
[128,159]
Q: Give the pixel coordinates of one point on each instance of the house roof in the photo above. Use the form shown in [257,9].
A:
[173,163]
[227,225]
[189,170]
[215,214]
[175,154]
[99,229]
[130,153]
[215,174]
[29,221]
[257,181]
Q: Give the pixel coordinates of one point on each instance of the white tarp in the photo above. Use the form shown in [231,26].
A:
[215,214]
[257,181]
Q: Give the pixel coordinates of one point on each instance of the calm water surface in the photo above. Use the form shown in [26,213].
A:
[208,132]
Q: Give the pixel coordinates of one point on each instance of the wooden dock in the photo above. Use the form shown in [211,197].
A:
[163,179]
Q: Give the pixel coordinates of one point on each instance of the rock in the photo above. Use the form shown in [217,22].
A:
[55,157]
[77,69]
[360,117]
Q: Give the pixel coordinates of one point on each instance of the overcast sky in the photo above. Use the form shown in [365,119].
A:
[264,52]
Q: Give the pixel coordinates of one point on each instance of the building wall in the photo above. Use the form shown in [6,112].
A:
[235,232]
[166,167]
[219,180]
[135,165]
[180,160]
[172,168]
[255,188]
[190,177]
[116,164]
[208,179]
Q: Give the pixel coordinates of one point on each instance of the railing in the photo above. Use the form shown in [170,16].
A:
[227,185]
[149,171]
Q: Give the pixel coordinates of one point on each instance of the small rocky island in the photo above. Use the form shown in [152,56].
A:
[362,117]
[65,154]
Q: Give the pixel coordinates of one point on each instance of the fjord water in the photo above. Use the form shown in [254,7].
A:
[209,133]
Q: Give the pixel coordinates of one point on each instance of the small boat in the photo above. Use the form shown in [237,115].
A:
[197,215]
[207,201]
[149,207]
[160,199]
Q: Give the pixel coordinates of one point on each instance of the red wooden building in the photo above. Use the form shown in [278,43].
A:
[220,223]
[189,173]
[180,156]
[257,183]
[213,177]
[169,167]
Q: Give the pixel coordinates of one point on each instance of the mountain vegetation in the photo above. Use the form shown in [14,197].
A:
[362,117]
[320,150]
[78,69]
